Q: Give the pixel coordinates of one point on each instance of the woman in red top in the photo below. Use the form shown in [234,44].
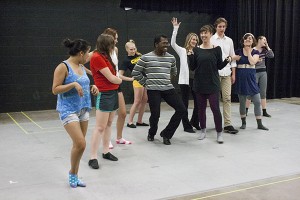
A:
[104,74]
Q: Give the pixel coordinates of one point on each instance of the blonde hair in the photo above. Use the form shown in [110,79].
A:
[132,42]
[188,39]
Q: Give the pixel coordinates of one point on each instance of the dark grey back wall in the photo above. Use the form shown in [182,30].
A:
[32,32]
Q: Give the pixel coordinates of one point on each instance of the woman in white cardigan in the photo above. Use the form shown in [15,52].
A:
[186,76]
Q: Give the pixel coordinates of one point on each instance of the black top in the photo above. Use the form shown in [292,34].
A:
[129,62]
[206,63]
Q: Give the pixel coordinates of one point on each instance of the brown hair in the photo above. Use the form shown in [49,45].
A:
[111,31]
[220,20]
[246,36]
[104,45]
[260,37]
[207,28]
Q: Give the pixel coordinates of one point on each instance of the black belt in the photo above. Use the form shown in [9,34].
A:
[261,70]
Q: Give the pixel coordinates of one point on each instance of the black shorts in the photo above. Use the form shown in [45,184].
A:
[120,89]
[107,101]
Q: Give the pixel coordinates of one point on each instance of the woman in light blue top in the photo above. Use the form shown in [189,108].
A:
[72,87]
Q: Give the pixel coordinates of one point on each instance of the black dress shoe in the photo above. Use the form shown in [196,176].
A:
[150,138]
[166,141]
[109,156]
[230,129]
[93,163]
[189,130]
[141,124]
[131,125]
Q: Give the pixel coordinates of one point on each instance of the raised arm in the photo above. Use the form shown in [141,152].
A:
[174,34]
[269,52]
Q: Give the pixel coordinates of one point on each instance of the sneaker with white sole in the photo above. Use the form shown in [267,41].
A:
[123,141]
[202,136]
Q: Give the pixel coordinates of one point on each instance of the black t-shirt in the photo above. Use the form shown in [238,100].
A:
[129,62]
[206,63]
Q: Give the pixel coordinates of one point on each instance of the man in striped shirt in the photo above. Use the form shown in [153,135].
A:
[154,71]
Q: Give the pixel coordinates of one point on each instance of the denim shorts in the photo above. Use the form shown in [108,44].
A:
[81,116]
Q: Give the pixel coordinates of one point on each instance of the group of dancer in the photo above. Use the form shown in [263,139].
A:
[205,70]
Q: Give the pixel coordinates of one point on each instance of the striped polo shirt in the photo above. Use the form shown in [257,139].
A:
[154,72]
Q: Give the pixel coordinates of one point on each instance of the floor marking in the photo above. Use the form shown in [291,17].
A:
[31,120]
[248,188]
[17,124]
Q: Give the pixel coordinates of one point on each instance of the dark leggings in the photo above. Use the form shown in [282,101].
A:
[214,106]
[185,94]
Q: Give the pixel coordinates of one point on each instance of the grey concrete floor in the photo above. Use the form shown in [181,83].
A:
[254,164]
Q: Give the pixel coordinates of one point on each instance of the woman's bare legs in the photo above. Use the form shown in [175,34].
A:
[107,133]
[140,101]
[142,106]
[77,132]
[121,116]
[99,131]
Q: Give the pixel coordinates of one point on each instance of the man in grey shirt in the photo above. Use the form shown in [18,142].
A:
[154,71]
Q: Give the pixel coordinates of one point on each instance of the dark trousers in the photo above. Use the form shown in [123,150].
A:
[214,106]
[185,94]
[173,100]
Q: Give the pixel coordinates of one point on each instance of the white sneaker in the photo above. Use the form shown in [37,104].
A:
[202,136]
[220,138]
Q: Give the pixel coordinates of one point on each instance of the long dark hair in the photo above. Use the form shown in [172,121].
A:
[104,45]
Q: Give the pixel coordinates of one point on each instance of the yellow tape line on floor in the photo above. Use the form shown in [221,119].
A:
[17,124]
[248,188]
[31,120]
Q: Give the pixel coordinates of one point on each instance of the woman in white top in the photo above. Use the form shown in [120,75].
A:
[186,76]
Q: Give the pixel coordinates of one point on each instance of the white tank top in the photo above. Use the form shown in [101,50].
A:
[114,58]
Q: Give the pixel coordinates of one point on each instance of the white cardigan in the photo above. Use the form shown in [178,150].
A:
[184,68]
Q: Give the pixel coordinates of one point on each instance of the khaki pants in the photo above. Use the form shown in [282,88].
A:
[226,98]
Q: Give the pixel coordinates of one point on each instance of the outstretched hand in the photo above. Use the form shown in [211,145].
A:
[175,23]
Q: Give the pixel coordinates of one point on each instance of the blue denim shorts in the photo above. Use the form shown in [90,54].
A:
[81,116]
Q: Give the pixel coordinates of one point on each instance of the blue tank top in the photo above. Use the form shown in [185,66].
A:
[70,102]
